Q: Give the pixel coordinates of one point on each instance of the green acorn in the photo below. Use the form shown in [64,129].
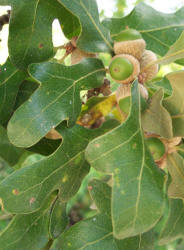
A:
[156,147]
[124,68]
[129,41]
[123,94]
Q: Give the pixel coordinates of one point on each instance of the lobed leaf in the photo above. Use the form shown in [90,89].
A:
[137,192]
[63,170]
[100,228]
[57,99]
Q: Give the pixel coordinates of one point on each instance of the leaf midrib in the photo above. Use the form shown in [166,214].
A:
[32,30]
[96,26]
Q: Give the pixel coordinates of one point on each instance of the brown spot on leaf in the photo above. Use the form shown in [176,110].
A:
[40,46]
[134,146]
[97,145]
[90,187]
[15,191]
[32,200]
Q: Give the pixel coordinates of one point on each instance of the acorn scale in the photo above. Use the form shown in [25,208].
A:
[148,73]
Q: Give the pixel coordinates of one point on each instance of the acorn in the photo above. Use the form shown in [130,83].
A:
[129,41]
[172,143]
[148,73]
[124,68]
[123,94]
[156,147]
[124,91]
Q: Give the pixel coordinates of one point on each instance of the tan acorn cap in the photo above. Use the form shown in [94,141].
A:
[143,91]
[131,47]
[136,67]
[150,72]
[53,134]
[78,55]
[124,90]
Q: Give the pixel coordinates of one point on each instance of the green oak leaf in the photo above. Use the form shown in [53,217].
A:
[156,119]
[57,99]
[175,52]
[63,170]
[45,146]
[27,231]
[137,192]
[159,30]
[8,152]
[26,89]
[93,233]
[101,195]
[10,81]
[175,166]
[30,31]
[141,242]
[173,228]
[163,83]
[5,169]
[58,219]
[100,228]
[94,37]
[175,103]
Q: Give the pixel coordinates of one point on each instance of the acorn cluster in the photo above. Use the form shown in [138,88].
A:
[132,60]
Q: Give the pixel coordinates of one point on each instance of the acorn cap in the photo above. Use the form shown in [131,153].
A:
[131,47]
[136,68]
[150,72]
[124,90]
[78,55]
